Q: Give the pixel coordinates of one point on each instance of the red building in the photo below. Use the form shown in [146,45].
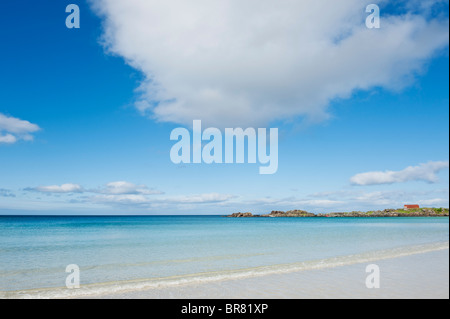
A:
[411,206]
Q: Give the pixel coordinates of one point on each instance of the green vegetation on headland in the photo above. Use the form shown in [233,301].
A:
[412,212]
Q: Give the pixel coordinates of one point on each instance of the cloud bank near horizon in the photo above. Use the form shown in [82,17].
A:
[423,172]
[140,198]
[123,193]
[241,63]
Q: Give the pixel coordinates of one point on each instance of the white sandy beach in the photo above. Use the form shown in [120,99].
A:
[424,275]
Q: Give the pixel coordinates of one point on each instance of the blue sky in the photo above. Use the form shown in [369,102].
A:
[86,114]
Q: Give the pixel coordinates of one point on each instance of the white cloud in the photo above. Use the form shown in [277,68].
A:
[241,63]
[64,188]
[423,172]
[13,129]
[434,202]
[199,198]
[112,194]
[123,199]
[112,188]
[126,188]
[8,139]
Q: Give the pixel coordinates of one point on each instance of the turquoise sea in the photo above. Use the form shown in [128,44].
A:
[116,253]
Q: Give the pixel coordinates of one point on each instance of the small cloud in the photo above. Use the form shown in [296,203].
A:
[126,188]
[201,198]
[434,202]
[122,199]
[423,172]
[113,188]
[65,188]
[13,129]
[6,193]
[8,139]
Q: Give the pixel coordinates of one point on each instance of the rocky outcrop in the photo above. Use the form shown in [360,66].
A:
[277,213]
[291,213]
[241,215]
[418,212]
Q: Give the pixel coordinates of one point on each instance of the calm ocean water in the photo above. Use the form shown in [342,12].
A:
[158,250]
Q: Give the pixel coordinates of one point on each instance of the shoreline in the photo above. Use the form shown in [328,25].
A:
[405,277]
[157,287]
[402,277]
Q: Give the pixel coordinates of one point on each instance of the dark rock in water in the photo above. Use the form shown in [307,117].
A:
[300,213]
[276,212]
[241,215]
[291,213]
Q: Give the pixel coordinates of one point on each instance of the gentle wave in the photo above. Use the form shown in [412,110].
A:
[92,290]
[32,271]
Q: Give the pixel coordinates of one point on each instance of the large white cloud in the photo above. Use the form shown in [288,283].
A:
[241,63]
[423,172]
[13,129]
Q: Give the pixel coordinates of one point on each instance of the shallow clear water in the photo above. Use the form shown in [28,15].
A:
[34,251]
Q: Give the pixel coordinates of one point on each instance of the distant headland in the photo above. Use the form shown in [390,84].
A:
[401,212]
